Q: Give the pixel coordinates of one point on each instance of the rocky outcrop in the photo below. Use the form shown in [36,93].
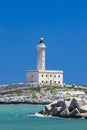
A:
[23,100]
[74,108]
[33,93]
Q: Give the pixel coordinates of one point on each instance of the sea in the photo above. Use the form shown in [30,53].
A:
[17,117]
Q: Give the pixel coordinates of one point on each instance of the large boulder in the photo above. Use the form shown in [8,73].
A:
[74,112]
[67,104]
[64,104]
[83,109]
[79,115]
[81,105]
[54,104]
[64,113]
[56,111]
[73,104]
[61,104]
[49,107]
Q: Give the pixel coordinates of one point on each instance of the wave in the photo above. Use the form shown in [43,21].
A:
[38,115]
[42,116]
[50,116]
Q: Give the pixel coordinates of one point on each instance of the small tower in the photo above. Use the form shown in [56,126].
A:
[41,55]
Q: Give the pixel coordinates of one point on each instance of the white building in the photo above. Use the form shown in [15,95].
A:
[41,75]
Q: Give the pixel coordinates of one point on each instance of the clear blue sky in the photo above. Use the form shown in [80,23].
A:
[62,23]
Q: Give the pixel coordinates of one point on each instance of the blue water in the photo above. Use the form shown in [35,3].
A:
[15,117]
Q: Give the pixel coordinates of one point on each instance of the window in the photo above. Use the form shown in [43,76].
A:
[55,82]
[55,76]
[50,75]
[42,75]
[59,76]
[32,75]
[46,81]
[50,81]
[46,75]
[58,82]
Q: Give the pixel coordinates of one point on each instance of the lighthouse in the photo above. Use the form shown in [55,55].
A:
[41,75]
[41,54]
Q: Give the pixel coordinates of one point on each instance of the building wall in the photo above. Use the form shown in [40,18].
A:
[32,76]
[45,77]
[51,77]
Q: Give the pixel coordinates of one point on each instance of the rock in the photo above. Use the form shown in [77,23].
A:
[73,108]
[83,109]
[54,104]
[85,101]
[73,104]
[79,115]
[64,104]
[81,105]
[64,113]
[48,107]
[56,111]
[67,104]
[74,112]
[31,113]
[43,112]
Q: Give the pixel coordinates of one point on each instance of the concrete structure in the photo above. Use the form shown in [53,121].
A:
[41,75]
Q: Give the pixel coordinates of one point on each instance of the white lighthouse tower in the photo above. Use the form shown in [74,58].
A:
[41,55]
[41,75]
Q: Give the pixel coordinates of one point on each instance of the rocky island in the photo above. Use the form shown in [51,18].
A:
[39,94]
